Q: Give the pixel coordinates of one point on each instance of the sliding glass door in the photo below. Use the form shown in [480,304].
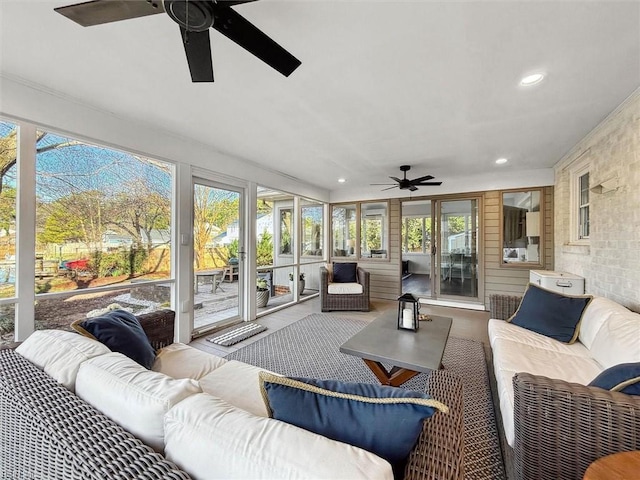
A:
[457,255]
[218,254]
[440,249]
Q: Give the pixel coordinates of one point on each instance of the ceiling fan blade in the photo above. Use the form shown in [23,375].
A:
[395,186]
[235,27]
[415,181]
[412,188]
[424,184]
[98,12]
[384,184]
[197,46]
[396,179]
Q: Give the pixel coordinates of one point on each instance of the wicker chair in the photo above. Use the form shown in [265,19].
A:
[330,302]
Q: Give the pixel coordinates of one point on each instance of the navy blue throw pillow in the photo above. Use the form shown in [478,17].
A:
[383,420]
[121,332]
[550,313]
[624,378]
[345,272]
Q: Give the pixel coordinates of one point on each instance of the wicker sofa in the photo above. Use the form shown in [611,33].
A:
[555,425]
[48,432]
[344,301]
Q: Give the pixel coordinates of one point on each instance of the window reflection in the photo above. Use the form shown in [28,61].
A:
[521,227]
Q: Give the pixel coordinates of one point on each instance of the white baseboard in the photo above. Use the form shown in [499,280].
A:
[454,304]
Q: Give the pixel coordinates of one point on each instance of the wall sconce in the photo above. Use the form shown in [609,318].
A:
[532,224]
[606,186]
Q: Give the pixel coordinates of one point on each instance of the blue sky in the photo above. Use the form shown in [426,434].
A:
[84,167]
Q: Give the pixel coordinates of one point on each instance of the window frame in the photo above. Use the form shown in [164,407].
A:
[385,233]
[576,172]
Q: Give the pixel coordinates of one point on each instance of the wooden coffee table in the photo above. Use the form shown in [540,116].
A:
[409,352]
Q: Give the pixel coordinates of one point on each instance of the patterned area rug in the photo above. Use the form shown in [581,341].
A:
[310,348]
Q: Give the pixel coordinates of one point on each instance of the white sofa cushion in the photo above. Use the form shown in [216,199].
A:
[595,315]
[131,395]
[238,384]
[182,361]
[618,340]
[211,439]
[345,289]
[60,353]
[500,329]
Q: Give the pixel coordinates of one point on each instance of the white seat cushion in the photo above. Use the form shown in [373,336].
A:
[182,361]
[211,439]
[60,353]
[618,340]
[131,395]
[344,289]
[237,383]
[511,357]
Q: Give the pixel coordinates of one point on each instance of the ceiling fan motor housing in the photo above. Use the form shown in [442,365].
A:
[192,15]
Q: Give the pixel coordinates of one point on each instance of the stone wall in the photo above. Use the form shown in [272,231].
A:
[610,259]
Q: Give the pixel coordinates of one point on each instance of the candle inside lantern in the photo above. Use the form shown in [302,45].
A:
[407,318]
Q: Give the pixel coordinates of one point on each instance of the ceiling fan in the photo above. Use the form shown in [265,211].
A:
[406,184]
[195,17]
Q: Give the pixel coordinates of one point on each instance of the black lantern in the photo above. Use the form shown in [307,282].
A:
[408,309]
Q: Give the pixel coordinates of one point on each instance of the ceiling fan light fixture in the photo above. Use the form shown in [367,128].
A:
[501,161]
[533,79]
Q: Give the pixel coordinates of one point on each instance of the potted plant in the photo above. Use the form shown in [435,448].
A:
[262,292]
[300,283]
[233,252]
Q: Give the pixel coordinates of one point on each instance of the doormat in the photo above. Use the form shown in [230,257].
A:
[237,334]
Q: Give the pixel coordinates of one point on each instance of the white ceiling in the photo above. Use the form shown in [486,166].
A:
[382,83]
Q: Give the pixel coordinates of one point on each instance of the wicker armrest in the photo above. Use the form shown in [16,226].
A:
[324,278]
[363,278]
[562,427]
[503,306]
[159,327]
[438,455]
[47,432]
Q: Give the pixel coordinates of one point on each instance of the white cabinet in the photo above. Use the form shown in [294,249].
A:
[560,282]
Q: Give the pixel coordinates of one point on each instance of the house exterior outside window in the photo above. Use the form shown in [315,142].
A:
[416,235]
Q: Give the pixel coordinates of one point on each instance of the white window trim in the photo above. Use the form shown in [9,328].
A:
[576,170]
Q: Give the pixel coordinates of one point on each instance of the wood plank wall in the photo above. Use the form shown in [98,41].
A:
[386,274]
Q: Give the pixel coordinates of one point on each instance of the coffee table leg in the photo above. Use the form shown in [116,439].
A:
[396,377]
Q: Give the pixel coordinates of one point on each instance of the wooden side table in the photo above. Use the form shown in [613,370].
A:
[230,273]
[619,466]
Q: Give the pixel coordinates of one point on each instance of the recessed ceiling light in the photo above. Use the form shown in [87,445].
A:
[532,79]
[341,180]
[500,161]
